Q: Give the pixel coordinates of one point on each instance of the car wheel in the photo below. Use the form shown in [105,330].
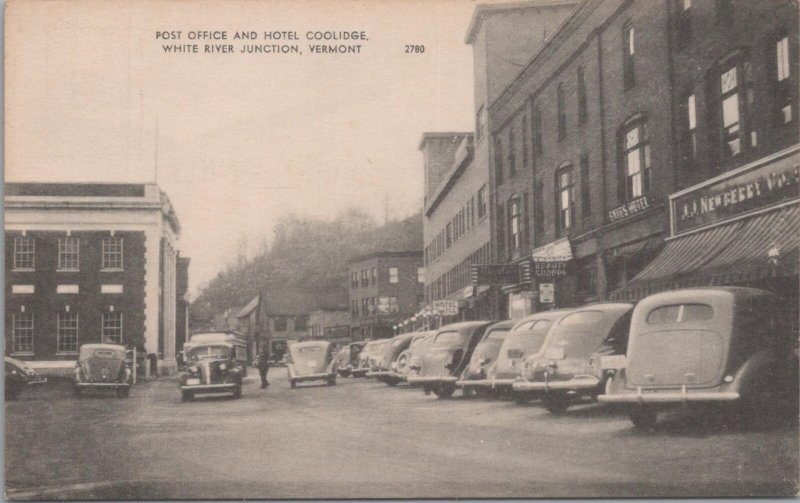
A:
[555,404]
[392,381]
[292,384]
[643,417]
[187,396]
[444,390]
[469,392]
[344,373]
[237,392]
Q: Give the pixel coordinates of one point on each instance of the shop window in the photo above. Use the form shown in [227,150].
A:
[514,227]
[22,332]
[111,327]
[783,84]
[583,111]
[69,253]
[112,253]
[635,160]
[565,197]
[67,332]
[562,112]
[628,53]
[24,252]
[394,275]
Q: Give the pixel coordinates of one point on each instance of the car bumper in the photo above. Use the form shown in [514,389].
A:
[432,379]
[379,373]
[485,383]
[359,371]
[210,387]
[103,384]
[585,383]
[311,377]
[33,382]
[682,396]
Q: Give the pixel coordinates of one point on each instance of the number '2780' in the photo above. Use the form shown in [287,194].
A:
[415,49]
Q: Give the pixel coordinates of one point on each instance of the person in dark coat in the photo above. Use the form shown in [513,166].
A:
[263,367]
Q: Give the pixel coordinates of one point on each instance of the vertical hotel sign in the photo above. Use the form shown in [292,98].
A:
[769,181]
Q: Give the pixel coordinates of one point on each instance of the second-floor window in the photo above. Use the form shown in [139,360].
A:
[628,53]
[636,160]
[111,328]
[565,195]
[512,156]
[24,252]
[394,275]
[734,90]
[783,84]
[112,253]
[22,333]
[562,112]
[354,280]
[482,202]
[514,227]
[586,194]
[374,275]
[538,146]
[538,209]
[689,136]
[69,253]
[683,22]
[420,275]
[498,162]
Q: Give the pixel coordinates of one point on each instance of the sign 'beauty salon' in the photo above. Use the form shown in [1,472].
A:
[747,189]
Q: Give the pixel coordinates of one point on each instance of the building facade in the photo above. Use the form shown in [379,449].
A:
[89,263]
[626,103]
[329,324]
[385,288]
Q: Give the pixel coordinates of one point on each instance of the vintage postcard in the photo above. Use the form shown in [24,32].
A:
[383,249]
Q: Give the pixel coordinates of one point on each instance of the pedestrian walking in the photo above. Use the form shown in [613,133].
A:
[263,367]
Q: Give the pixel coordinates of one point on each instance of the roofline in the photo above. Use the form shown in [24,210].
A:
[407,253]
[483,9]
[441,135]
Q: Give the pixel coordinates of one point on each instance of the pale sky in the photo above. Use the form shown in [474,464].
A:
[242,138]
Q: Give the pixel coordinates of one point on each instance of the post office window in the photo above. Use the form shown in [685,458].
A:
[24,252]
[69,253]
[22,333]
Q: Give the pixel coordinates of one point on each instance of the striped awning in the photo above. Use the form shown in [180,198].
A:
[764,245]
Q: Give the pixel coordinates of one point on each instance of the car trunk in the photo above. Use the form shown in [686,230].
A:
[434,360]
[673,358]
[486,350]
[517,346]
[576,349]
[102,370]
[308,365]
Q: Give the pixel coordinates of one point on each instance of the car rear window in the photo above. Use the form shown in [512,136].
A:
[680,313]
[448,339]
[498,334]
[310,349]
[581,318]
[525,326]
[105,353]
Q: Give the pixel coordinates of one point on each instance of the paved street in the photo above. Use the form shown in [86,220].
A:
[364,439]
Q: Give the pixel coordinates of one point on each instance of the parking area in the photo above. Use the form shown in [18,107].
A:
[364,439]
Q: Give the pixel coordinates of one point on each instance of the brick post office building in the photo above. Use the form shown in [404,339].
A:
[89,263]
[385,288]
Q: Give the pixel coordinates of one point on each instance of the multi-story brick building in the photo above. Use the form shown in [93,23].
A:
[89,263]
[385,288]
[625,103]
[458,198]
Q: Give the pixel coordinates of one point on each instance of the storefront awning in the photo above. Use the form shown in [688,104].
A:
[559,250]
[760,246]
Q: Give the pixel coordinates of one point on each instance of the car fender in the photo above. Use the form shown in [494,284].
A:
[290,370]
[754,371]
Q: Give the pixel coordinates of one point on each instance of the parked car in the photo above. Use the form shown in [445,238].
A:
[520,345]
[401,367]
[363,366]
[381,365]
[19,377]
[705,345]
[311,361]
[568,368]
[484,356]
[347,358]
[102,366]
[440,365]
[212,367]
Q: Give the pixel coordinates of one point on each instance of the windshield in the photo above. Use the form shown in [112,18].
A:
[205,352]
[448,339]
